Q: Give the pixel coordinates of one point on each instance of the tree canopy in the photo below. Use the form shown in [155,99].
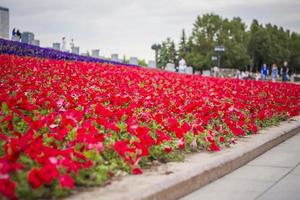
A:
[245,48]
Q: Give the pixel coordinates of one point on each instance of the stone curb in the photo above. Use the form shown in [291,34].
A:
[174,180]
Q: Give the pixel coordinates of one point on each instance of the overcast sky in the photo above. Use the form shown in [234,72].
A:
[130,27]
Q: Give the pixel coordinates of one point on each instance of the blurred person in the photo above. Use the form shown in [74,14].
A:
[244,75]
[264,72]
[238,74]
[72,44]
[182,66]
[18,36]
[63,44]
[13,35]
[274,72]
[257,76]
[284,71]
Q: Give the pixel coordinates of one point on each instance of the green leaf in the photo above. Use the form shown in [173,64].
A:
[4,108]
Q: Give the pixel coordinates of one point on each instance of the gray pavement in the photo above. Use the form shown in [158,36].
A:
[275,175]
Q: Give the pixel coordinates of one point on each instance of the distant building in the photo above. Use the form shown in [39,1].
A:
[75,50]
[85,54]
[27,37]
[35,42]
[133,61]
[56,46]
[95,53]
[4,23]
[152,64]
[115,57]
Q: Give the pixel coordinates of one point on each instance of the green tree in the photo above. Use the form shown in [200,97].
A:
[261,44]
[210,31]
[142,62]
[173,53]
[183,46]
[268,44]
[125,60]
[235,39]
[294,62]
[280,48]
[167,53]
[204,38]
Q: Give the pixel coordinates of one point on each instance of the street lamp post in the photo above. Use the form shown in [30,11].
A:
[219,50]
[156,48]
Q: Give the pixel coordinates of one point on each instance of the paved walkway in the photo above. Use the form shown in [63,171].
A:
[275,175]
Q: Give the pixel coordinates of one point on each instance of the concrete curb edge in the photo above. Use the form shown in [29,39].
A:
[183,188]
[196,171]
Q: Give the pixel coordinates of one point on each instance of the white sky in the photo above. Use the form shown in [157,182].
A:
[130,27]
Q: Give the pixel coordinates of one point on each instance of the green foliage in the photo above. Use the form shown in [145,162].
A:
[211,30]
[25,191]
[167,53]
[142,62]
[270,44]
[183,46]
[295,52]
[157,153]
[260,44]
[97,175]
[125,60]
[4,108]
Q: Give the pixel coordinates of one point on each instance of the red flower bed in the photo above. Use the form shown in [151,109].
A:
[65,123]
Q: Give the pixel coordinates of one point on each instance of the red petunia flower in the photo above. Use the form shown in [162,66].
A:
[66,181]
